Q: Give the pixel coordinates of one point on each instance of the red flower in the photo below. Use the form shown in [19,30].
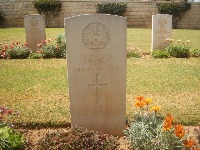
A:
[39,51]
[26,45]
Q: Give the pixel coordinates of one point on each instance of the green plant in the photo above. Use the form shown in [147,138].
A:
[16,50]
[49,8]
[61,43]
[10,139]
[160,54]
[133,54]
[112,8]
[195,53]
[78,138]
[148,130]
[35,56]
[179,50]
[176,9]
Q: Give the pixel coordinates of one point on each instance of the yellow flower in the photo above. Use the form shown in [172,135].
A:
[148,101]
[155,108]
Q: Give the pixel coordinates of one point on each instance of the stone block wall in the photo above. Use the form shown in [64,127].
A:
[139,14]
[191,18]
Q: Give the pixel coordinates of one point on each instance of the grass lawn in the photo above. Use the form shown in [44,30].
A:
[39,88]
[137,38]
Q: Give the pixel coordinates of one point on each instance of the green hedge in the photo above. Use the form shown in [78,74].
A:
[111,8]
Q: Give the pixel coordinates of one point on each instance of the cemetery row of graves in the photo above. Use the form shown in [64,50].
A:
[99,89]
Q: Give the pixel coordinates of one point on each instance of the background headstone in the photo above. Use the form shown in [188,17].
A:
[161,30]
[96,59]
[35,30]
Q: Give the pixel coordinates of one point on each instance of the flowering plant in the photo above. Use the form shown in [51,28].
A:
[9,138]
[15,50]
[50,49]
[178,50]
[5,114]
[149,130]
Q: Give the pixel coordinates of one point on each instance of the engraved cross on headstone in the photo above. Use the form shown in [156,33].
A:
[97,84]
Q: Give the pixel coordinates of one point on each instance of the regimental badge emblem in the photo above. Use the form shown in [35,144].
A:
[33,21]
[96,36]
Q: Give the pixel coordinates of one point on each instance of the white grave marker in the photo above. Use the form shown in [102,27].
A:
[96,60]
[161,30]
[35,30]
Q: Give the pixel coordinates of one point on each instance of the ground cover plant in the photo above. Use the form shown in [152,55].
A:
[149,130]
[10,139]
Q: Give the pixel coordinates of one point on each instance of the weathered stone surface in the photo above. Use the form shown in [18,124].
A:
[161,30]
[96,59]
[35,30]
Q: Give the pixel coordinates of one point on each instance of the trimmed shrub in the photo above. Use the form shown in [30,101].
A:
[49,8]
[111,8]
[176,9]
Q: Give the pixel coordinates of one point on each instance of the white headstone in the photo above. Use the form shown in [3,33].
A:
[35,30]
[161,30]
[96,60]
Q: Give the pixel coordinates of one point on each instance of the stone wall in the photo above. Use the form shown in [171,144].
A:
[139,14]
[191,18]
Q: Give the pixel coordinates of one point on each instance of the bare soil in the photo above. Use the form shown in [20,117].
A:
[32,136]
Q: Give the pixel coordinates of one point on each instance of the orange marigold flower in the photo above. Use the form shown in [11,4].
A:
[167,126]
[189,143]
[169,118]
[148,101]
[139,104]
[168,122]
[139,98]
[155,108]
[179,131]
